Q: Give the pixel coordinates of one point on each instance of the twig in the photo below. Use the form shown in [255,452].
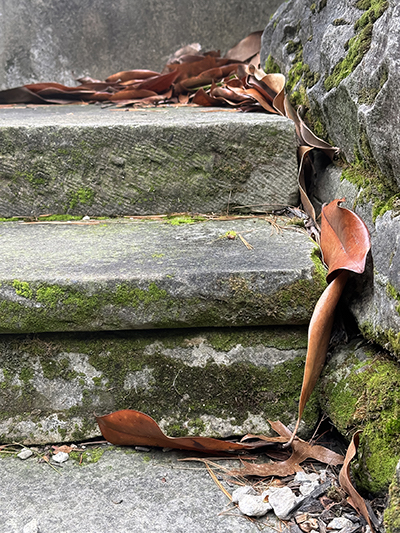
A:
[248,246]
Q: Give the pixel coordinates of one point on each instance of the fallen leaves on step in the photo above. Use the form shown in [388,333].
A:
[301,451]
[345,243]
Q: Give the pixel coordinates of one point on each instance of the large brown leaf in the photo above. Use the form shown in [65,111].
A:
[354,499]
[127,75]
[246,48]
[133,428]
[345,243]
[345,240]
[301,451]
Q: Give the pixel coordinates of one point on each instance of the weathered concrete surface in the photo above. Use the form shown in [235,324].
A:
[359,389]
[123,491]
[210,382]
[92,161]
[59,41]
[110,275]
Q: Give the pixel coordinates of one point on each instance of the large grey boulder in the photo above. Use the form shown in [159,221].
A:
[342,63]
[61,40]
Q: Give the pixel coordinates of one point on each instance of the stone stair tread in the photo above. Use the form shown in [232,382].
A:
[86,160]
[134,274]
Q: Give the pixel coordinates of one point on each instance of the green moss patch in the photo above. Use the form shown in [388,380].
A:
[373,185]
[392,513]
[358,45]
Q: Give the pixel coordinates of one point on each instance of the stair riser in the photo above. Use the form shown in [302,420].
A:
[209,382]
[103,162]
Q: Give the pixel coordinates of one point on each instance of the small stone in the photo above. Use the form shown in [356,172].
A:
[339,523]
[25,454]
[282,501]
[254,505]
[242,491]
[60,457]
[31,527]
[86,217]
[302,477]
[307,488]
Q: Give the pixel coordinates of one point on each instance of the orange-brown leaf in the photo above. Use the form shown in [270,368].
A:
[345,240]
[301,451]
[246,48]
[345,244]
[344,479]
[130,427]
[140,74]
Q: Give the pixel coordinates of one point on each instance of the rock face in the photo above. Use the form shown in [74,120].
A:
[341,61]
[209,382]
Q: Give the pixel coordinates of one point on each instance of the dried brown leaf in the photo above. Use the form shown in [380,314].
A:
[354,498]
[130,427]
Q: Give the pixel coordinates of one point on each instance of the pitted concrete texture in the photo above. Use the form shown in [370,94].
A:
[107,275]
[135,492]
[85,160]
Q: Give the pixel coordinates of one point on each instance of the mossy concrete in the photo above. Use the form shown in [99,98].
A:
[84,160]
[110,275]
[360,389]
[214,382]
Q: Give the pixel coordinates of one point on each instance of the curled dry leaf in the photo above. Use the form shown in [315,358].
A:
[354,498]
[246,48]
[345,243]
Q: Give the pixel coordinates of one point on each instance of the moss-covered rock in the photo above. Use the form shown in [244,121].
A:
[392,513]
[214,382]
[360,389]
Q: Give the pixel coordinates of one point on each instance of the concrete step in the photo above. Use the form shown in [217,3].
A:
[133,274]
[86,160]
[204,381]
[120,490]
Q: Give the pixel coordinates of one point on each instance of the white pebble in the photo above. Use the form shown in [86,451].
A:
[31,527]
[60,457]
[307,488]
[25,454]
[339,523]
[242,491]
[254,505]
[282,501]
